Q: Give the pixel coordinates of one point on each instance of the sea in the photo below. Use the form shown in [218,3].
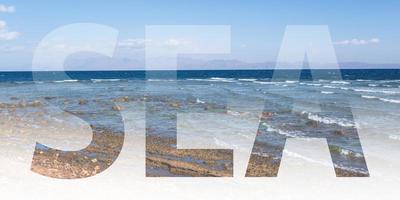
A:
[293,104]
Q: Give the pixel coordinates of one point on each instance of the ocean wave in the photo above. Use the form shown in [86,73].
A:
[200,101]
[311,84]
[195,79]
[326,92]
[66,81]
[381,99]
[281,132]
[376,91]
[329,86]
[104,80]
[349,153]
[328,120]
[266,83]
[291,81]
[340,82]
[217,79]
[214,79]
[247,79]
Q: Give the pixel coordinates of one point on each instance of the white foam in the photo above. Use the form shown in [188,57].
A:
[281,132]
[326,92]
[329,86]
[217,79]
[66,81]
[340,82]
[376,91]
[327,120]
[265,83]
[346,152]
[104,80]
[381,99]
[247,79]
[291,81]
[200,101]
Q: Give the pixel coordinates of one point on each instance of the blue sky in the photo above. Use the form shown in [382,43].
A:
[363,31]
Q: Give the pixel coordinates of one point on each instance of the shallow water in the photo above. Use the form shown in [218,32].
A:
[305,108]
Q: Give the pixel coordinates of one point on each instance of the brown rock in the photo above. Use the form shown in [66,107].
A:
[117,108]
[175,104]
[267,114]
[339,132]
[122,99]
[312,124]
[83,102]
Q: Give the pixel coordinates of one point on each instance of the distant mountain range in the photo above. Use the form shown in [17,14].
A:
[95,62]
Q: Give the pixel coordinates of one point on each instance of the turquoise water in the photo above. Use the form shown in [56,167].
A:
[300,108]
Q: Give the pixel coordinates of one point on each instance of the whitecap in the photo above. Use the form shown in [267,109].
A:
[247,79]
[199,101]
[381,99]
[291,81]
[328,120]
[340,82]
[280,131]
[66,81]
[346,152]
[376,91]
[104,80]
[217,79]
[329,86]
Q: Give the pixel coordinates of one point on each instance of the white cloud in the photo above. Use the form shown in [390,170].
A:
[6,34]
[10,48]
[7,9]
[134,43]
[358,42]
[176,42]
[139,43]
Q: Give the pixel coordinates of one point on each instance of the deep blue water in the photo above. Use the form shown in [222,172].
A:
[347,74]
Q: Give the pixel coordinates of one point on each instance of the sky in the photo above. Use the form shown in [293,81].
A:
[361,31]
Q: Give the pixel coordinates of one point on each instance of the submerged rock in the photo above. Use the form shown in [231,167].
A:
[35,103]
[175,104]
[49,98]
[83,102]
[312,124]
[267,114]
[339,132]
[122,99]
[117,108]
